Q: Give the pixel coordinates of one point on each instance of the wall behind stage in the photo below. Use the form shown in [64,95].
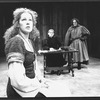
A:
[57,15]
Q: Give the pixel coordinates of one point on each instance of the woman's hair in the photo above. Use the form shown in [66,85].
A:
[76,21]
[14,29]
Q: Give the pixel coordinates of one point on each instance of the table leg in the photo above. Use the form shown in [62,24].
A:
[44,66]
[70,63]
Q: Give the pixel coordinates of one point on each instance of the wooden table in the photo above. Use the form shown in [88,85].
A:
[70,60]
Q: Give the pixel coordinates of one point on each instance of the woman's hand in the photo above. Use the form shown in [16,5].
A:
[45,82]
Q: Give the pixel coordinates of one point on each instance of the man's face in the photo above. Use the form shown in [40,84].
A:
[51,33]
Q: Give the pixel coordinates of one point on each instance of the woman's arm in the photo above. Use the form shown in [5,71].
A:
[19,80]
[39,74]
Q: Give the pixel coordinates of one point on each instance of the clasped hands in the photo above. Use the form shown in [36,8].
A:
[52,49]
[72,39]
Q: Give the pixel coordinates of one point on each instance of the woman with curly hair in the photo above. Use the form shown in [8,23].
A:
[25,79]
[76,37]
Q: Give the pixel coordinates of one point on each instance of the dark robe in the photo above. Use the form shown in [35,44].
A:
[53,60]
[76,38]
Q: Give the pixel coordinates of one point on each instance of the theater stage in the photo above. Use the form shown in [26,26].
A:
[85,83]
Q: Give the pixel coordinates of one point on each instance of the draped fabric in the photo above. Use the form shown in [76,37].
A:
[15,57]
[15,51]
[57,15]
[21,64]
[77,36]
[53,60]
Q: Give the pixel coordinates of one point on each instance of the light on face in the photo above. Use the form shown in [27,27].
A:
[26,22]
[74,23]
[51,33]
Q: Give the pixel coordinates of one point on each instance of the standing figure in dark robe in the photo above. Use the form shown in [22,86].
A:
[53,43]
[76,37]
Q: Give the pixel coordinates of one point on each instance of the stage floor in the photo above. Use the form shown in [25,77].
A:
[85,83]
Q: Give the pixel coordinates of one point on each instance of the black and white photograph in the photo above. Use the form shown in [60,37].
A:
[49,49]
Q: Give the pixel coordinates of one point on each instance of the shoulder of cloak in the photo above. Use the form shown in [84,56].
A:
[15,44]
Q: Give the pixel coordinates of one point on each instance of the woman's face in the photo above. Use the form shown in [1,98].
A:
[26,22]
[75,23]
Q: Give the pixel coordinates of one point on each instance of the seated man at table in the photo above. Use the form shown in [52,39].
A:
[52,43]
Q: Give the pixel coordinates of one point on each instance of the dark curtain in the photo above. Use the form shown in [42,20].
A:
[57,15]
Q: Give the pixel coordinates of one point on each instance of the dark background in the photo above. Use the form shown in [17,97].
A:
[57,15]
